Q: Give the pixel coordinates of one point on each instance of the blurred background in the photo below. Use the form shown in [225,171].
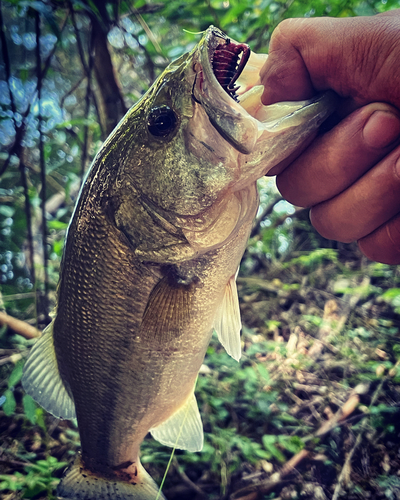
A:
[312,409]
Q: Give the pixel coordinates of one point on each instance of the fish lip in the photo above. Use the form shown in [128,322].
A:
[232,55]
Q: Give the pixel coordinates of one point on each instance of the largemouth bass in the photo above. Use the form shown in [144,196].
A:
[150,262]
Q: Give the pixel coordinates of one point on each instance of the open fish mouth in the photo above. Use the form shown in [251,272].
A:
[228,62]
[227,85]
[220,65]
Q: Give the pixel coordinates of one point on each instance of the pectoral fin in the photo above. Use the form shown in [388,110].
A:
[227,323]
[183,430]
[42,380]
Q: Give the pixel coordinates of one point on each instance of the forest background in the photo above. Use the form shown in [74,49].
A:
[312,410]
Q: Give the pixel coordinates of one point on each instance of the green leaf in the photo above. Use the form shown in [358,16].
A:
[264,372]
[291,443]
[16,374]
[29,408]
[40,419]
[7,211]
[263,454]
[269,444]
[268,439]
[10,403]
[35,490]
[57,224]
[391,294]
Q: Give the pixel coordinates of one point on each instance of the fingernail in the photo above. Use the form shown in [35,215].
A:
[382,129]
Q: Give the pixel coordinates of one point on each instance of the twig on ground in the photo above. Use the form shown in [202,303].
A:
[13,358]
[255,491]
[347,465]
[20,327]
[187,480]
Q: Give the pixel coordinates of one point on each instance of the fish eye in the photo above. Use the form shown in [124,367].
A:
[161,121]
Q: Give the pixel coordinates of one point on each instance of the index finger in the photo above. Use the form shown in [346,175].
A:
[337,159]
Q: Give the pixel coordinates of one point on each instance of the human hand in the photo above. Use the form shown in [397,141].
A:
[350,176]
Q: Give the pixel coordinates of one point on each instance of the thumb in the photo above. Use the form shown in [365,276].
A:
[355,57]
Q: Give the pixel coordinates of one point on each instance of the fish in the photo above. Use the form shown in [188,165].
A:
[150,262]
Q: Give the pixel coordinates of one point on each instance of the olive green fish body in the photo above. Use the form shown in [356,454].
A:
[150,262]
[131,330]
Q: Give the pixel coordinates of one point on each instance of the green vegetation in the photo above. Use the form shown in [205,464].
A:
[311,411]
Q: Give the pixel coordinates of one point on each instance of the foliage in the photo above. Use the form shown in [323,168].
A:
[261,413]
[37,480]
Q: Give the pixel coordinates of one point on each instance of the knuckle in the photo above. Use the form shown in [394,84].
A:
[287,33]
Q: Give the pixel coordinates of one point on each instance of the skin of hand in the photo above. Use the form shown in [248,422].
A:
[349,175]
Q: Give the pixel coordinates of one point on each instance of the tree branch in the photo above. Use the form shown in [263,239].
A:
[112,102]
[267,211]
[42,168]
[21,327]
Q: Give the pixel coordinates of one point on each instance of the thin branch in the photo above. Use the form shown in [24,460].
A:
[47,62]
[150,63]
[87,68]
[267,211]
[112,105]
[42,167]
[21,327]
[6,59]
[298,213]
[193,486]
[89,93]
[71,91]
[14,358]
[255,491]
[18,129]
[78,39]
[360,436]
[148,31]
[18,296]
[28,217]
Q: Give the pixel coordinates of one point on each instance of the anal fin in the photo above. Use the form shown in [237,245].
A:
[227,322]
[42,380]
[183,430]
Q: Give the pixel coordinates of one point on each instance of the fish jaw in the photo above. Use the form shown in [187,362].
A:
[223,112]
[265,134]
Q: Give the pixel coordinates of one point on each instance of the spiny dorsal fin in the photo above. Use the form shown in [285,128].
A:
[183,430]
[227,323]
[42,380]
